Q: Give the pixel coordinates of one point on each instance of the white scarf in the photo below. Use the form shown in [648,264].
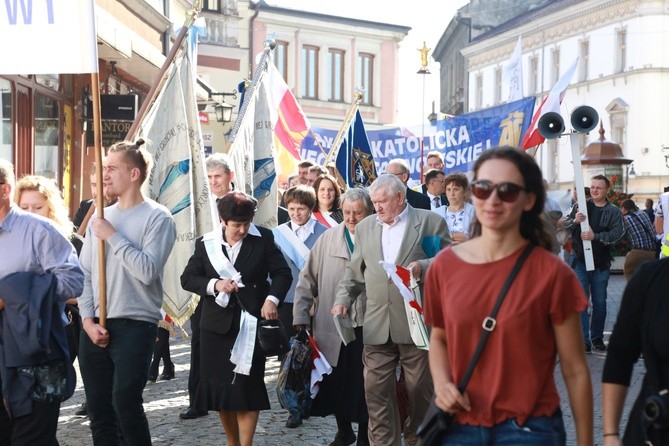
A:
[242,350]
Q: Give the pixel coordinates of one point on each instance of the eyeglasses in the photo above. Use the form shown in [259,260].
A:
[507,192]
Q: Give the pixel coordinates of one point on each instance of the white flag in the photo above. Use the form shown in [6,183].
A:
[252,153]
[513,73]
[48,36]
[178,179]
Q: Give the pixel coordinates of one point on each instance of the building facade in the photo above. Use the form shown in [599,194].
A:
[324,58]
[622,72]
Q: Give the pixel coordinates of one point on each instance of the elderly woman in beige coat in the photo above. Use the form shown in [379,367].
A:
[342,392]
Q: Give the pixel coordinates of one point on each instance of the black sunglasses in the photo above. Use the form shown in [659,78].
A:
[508,192]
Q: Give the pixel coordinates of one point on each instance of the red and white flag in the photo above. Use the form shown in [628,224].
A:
[319,368]
[550,104]
[401,277]
[289,122]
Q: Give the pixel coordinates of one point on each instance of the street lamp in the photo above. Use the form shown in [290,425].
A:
[223,112]
[223,109]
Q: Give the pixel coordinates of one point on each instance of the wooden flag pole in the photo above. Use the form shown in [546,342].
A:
[334,150]
[160,78]
[99,200]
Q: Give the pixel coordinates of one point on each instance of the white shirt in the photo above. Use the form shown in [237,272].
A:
[433,205]
[392,235]
[303,232]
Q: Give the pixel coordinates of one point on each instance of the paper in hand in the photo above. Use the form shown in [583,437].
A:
[344,328]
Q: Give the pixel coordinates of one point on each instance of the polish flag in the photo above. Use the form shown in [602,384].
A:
[550,104]
[289,122]
[319,368]
[401,277]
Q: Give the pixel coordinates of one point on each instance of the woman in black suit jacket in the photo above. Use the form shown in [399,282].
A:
[237,397]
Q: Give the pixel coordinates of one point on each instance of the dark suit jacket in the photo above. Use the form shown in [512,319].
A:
[258,258]
[417,200]
[81,213]
[444,198]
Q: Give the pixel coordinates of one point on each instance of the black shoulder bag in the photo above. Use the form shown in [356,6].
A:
[436,422]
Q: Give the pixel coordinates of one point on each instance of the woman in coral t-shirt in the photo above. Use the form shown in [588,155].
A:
[511,397]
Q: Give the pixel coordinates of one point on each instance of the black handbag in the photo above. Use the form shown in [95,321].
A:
[437,422]
[272,338]
[271,335]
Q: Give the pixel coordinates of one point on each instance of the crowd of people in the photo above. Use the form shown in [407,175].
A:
[457,237]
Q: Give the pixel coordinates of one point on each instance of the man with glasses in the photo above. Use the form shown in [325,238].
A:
[434,180]
[400,169]
[606,228]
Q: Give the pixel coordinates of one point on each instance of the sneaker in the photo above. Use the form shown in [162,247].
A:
[293,421]
[598,345]
[588,348]
[343,439]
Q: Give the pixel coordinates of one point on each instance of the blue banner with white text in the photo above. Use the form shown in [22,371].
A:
[459,139]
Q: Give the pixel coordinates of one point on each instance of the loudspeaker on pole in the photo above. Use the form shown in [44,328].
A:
[551,125]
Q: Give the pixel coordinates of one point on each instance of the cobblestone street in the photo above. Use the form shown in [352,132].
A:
[164,400]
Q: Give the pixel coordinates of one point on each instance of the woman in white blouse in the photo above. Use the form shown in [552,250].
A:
[459,214]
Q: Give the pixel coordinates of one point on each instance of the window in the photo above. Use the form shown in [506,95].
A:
[211,5]
[47,125]
[281,58]
[366,77]
[6,120]
[336,75]
[498,85]
[534,75]
[584,60]
[309,79]
[621,60]
[555,66]
[479,91]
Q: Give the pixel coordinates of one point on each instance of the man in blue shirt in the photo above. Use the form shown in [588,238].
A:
[30,243]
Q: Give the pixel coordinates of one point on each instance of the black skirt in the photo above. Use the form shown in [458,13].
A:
[342,392]
[223,389]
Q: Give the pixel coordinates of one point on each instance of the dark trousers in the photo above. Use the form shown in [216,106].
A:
[114,379]
[161,350]
[194,393]
[38,428]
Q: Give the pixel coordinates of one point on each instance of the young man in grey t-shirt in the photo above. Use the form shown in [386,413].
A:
[114,359]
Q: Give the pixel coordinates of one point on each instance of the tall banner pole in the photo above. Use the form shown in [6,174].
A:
[270,44]
[348,118]
[160,78]
[99,200]
[580,195]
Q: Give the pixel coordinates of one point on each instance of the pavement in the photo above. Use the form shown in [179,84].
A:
[164,400]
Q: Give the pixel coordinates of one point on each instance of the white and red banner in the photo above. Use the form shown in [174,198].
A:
[402,279]
[319,368]
[48,36]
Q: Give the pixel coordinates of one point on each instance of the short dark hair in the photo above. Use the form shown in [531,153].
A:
[301,194]
[432,174]
[629,205]
[604,179]
[460,179]
[237,206]
[305,164]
